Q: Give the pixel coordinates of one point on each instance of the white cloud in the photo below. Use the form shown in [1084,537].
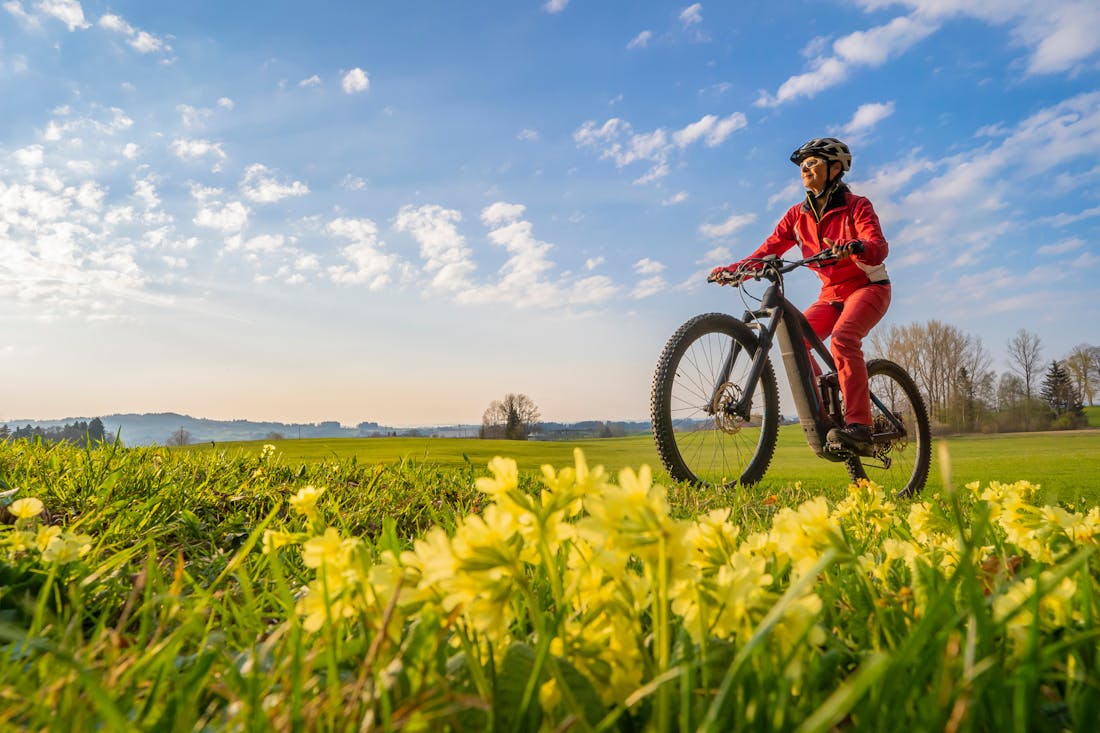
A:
[141,41]
[57,256]
[641,40]
[793,191]
[353,183]
[712,130]
[355,81]
[264,243]
[226,103]
[68,12]
[953,210]
[442,249]
[146,192]
[260,186]
[29,157]
[727,227]
[313,81]
[130,151]
[502,213]
[555,6]
[617,141]
[106,122]
[646,266]
[720,253]
[197,149]
[648,286]
[228,218]
[861,48]
[593,262]
[1059,248]
[692,15]
[677,198]
[193,116]
[1059,34]
[867,116]
[367,264]
[528,135]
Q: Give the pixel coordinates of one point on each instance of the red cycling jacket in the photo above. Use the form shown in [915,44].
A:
[846,217]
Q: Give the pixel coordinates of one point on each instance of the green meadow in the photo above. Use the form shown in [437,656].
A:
[1066,465]
[395,584]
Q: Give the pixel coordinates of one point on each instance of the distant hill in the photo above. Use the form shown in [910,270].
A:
[157,428]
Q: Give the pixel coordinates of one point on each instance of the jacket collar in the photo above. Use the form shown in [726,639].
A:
[837,199]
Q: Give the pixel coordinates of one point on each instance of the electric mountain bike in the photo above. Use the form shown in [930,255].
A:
[715,400]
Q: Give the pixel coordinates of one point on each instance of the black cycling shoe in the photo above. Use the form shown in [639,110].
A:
[854,437]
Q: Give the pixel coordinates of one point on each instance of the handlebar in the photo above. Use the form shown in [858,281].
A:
[771,266]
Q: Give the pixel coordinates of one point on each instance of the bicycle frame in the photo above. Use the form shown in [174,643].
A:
[787,325]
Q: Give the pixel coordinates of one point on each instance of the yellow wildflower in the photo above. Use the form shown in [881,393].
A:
[305,501]
[317,608]
[66,547]
[45,536]
[275,539]
[329,552]
[26,508]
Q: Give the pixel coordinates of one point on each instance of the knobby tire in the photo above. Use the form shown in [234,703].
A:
[693,444]
[910,457]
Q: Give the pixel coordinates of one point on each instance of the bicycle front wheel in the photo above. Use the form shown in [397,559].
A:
[902,447]
[700,376]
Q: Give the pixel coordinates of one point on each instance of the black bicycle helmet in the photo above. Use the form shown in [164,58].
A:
[828,149]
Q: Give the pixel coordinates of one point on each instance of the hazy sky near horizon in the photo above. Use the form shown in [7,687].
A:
[398,212]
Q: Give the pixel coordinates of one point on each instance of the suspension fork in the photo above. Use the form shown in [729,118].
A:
[743,408]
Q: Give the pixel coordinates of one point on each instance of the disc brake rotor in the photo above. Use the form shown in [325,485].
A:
[724,419]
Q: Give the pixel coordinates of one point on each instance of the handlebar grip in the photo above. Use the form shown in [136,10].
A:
[857,246]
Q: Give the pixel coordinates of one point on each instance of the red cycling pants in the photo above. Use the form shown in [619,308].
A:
[848,321]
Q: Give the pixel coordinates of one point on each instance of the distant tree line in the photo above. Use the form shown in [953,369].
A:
[79,433]
[964,394]
[513,418]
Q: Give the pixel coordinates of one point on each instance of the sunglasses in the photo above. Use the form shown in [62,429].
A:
[810,164]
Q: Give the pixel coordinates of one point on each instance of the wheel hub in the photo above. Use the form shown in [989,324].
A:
[724,418]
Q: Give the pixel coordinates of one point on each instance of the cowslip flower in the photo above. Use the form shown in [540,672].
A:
[26,508]
[305,501]
[275,539]
[66,547]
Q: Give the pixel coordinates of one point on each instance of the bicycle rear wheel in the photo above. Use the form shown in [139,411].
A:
[701,374]
[901,458]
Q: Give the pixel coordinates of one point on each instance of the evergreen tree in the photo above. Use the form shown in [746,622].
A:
[1059,392]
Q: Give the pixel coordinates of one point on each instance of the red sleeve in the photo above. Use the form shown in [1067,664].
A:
[869,232]
[782,239]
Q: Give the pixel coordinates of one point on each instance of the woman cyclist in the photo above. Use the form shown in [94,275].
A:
[855,290]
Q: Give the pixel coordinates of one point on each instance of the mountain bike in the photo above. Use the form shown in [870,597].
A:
[715,400]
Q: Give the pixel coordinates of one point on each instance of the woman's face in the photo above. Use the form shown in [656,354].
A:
[814,174]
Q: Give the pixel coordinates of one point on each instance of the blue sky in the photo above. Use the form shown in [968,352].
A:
[398,212]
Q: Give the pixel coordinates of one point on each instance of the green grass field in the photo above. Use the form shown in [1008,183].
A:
[1065,464]
[371,585]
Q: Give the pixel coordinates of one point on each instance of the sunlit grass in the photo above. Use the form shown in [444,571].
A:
[172,617]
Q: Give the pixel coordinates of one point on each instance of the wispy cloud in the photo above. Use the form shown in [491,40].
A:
[866,117]
[139,40]
[616,140]
[641,40]
[862,48]
[728,227]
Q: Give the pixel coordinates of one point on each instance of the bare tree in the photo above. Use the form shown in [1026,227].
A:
[1024,354]
[514,418]
[1084,371]
[951,368]
[179,437]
